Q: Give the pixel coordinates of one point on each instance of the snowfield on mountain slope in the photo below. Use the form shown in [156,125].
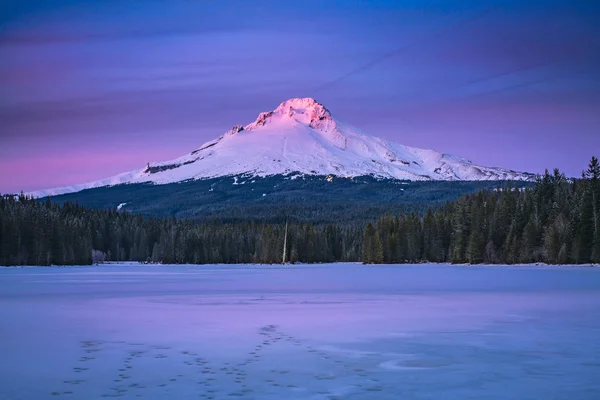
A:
[302,136]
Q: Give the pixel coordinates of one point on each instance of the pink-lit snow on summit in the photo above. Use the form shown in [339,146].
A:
[302,136]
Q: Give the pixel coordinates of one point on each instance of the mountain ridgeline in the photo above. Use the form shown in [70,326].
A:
[302,138]
[555,221]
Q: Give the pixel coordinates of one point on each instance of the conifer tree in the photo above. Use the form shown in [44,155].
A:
[593,176]
[372,247]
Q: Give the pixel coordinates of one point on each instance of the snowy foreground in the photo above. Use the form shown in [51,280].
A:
[310,332]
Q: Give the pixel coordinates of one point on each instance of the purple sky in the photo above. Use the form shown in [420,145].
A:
[89,89]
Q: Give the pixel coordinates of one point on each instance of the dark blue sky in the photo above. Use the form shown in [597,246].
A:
[93,88]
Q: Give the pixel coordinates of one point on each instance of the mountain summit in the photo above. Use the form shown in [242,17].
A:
[301,136]
[306,111]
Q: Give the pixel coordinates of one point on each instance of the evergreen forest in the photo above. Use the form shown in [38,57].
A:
[556,221]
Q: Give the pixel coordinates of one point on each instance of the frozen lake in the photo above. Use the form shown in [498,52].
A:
[309,332]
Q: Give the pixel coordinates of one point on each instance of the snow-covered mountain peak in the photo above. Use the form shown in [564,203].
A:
[301,136]
[302,105]
[305,111]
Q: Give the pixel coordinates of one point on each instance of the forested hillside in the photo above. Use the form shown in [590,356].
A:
[556,221]
[272,199]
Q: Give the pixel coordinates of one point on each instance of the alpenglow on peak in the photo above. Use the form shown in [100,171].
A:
[305,110]
[301,103]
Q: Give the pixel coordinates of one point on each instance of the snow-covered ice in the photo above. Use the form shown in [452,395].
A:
[342,331]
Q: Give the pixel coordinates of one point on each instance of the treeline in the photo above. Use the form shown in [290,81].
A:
[33,232]
[557,221]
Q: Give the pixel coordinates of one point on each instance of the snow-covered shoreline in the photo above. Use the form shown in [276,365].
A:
[301,265]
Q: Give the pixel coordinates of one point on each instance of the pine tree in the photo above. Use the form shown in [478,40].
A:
[430,242]
[552,245]
[593,175]
[491,253]
[372,247]
[461,230]
[475,247]
[589,225]
[476,244]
